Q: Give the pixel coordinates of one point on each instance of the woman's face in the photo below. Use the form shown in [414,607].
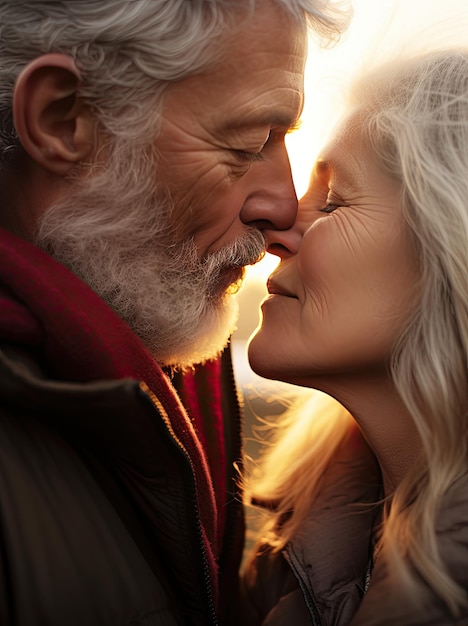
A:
[337,306]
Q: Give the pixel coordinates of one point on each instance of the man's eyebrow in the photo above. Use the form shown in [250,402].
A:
[261,121]
[296,125]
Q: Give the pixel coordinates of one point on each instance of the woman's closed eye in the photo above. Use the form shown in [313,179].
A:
[329,208]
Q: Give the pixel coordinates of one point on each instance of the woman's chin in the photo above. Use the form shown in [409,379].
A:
[260,357]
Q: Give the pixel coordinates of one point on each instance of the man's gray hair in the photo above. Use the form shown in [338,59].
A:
[128,51]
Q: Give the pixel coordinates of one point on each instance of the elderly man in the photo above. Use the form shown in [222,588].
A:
[143,164]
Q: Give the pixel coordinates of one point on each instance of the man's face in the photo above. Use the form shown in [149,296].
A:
[165,255]
[222,149]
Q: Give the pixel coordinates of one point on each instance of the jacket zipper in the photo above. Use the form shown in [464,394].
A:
[206,570]
[236,445]
[308,599]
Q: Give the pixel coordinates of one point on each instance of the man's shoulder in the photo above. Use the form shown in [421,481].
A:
[65,552]
[66,548]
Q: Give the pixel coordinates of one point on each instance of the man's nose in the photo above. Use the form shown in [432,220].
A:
[272,203]
[285,243]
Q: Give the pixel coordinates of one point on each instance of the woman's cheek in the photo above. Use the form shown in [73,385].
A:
[318,250]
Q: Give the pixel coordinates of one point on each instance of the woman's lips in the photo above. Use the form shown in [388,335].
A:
[277,290]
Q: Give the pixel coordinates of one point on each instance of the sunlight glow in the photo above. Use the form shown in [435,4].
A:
[379,30]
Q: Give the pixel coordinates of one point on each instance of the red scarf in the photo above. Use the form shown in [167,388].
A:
[50,312]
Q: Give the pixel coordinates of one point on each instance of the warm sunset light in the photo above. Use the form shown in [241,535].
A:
[380,29]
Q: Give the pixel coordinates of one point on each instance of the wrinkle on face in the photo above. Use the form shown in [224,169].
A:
[355,274]
[247,102]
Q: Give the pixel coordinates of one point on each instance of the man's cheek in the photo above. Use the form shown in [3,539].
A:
[210,184]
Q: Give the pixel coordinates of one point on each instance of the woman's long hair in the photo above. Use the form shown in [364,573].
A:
[415,113]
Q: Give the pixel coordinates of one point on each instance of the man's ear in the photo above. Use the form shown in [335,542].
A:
[54,127]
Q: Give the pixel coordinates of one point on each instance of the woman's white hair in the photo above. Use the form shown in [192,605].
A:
[128,51]
[417,122]
[415,114]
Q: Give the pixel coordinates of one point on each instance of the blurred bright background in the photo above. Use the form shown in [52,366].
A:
[380,29]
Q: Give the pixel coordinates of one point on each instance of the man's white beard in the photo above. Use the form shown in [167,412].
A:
[116,234]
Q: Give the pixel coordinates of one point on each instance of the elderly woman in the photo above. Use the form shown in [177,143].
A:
[366,489]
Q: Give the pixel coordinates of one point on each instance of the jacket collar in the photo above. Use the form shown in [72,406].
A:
[50,313]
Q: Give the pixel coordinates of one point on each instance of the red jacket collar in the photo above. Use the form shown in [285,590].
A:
[78,338]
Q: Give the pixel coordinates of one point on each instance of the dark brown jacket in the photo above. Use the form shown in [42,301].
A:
[109,502]
[99,524]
